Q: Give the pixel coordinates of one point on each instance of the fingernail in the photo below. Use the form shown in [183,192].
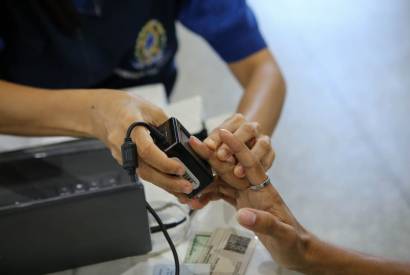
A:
[187,189]
[194,139]
[231,159]
[211,143]
[181,171]
[241,171]
[223,154]
[224,131]
[246,217]
[183,200]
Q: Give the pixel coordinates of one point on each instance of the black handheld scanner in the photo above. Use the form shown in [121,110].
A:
[175,145]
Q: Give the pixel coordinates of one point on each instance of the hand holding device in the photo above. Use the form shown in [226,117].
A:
[112,112]
[173,139]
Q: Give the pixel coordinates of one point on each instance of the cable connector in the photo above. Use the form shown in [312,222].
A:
[129,156]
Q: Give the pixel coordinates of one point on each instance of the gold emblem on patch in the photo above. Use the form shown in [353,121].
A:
[150,43]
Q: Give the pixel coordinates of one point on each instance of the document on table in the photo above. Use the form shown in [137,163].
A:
[186,269]
[227,251]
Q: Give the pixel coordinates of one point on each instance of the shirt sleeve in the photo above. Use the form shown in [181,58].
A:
[229,26]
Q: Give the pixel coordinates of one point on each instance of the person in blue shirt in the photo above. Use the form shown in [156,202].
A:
[62,63]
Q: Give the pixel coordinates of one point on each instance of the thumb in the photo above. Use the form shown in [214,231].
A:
[258,221]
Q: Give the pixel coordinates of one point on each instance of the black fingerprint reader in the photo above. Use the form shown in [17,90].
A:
[68,205]
[176,145]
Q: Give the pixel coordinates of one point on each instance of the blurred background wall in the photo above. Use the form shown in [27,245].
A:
[343,143]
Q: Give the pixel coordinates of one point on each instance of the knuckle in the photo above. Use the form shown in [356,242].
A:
[168,187]
[214,135]
[270,223]
[250,164]
[265,143]
[247,127]
[238,117]
[146,151]
[225,147]
[156,109]
[178,187]
[159,112]
[257,126]
[113,138]
[128,118]
[268,160]
[143,173]
[267,163]
[222,168]
[226,173]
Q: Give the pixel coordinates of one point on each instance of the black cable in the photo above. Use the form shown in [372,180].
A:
[170,225]
[166,235]
[154,131]
[130,163]
[156,228]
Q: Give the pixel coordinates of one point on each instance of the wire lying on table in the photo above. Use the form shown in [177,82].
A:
[130,164]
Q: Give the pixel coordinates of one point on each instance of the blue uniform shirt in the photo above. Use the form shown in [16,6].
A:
[229,26]
[116,44]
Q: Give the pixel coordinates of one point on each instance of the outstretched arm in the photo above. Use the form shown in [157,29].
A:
[261,104]
[288,242]
[318,257]
[264,89]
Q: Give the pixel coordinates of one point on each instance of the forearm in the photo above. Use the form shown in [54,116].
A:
[264,89]
[264,97]
[31,111]
[324,258]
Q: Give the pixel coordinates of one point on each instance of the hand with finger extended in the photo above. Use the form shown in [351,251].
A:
[265,212]
[287,242]
[248,133]
[223,169]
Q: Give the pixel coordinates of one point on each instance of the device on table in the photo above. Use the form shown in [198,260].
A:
[68,205]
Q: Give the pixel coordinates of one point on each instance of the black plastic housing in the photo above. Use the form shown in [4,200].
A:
[68,205]
[198,171]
